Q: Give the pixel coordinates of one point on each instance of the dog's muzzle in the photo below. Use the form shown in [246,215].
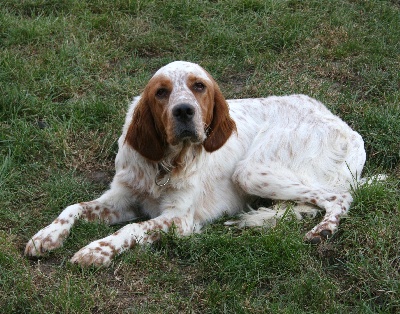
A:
[185,128]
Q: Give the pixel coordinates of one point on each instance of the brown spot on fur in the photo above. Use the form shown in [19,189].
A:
[105,214]
[112,247]
[90,260]
[314,201]
[47,239]
[154,236]
[89,215]
[126,243]
[332,198]
[133,243]
[177,222]
[88,204]
[64,234]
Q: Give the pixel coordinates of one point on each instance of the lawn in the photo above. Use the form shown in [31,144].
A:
[68,69]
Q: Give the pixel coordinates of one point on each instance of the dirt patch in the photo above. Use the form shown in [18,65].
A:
[99,177]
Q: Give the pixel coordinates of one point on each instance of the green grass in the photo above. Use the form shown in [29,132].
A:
[68,69]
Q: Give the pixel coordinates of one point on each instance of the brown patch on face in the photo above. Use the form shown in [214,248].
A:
[204,93]
[146,133]
[158,91]
[222,125]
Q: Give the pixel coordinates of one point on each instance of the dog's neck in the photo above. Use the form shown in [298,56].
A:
[177,159]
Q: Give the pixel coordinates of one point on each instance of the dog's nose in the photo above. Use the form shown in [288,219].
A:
[183,112]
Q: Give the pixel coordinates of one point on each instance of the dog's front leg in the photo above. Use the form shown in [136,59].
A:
[101,252]
[114,206]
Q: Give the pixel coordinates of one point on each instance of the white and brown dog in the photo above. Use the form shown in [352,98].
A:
[186,158]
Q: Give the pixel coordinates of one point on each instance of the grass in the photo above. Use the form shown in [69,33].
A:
[67,72]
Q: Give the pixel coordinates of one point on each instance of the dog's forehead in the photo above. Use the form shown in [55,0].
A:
[181,70]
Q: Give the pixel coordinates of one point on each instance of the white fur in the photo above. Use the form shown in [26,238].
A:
[289,148]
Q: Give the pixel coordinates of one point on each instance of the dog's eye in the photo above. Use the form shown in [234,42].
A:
[162,93]
[199,86]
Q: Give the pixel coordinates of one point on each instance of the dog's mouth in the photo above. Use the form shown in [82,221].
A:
[187,135]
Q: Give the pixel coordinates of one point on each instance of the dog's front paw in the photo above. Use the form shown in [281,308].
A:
[97,253]
[47,239]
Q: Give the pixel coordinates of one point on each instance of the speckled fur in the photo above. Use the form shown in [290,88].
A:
[289,148]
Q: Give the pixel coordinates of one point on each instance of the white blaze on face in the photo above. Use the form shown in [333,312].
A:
[179,72]
[177,68]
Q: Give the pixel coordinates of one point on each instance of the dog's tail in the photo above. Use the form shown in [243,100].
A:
[268,217]
[372,179]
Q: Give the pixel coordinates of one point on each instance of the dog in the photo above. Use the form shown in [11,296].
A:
[187,156]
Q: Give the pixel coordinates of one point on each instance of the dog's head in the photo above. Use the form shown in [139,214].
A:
[181,103]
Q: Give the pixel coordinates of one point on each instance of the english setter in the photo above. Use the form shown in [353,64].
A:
[186,158]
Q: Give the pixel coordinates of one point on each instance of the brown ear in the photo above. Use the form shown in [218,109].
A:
[222,125]
[142,133]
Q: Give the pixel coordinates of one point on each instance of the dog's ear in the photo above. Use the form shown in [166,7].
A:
[143,134]
[222,125]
